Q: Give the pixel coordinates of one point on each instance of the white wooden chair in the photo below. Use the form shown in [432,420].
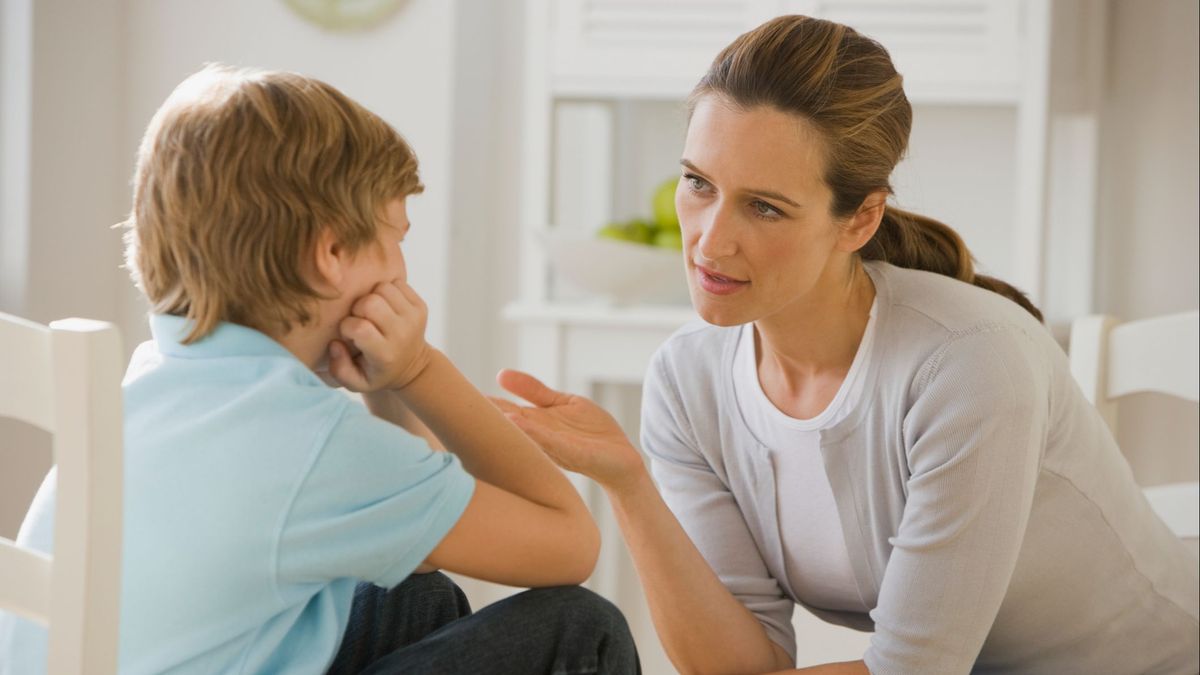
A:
[1111,359]
[65,378]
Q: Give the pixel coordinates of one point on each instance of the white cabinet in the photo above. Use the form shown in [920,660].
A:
[1004,93]
[949,50]
[626,48]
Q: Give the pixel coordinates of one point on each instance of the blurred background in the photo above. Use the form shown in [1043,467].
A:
[1060,137]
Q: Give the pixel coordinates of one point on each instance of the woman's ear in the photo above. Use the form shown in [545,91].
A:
[329,260]
[861,226]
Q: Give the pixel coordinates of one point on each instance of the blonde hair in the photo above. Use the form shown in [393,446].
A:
[237,174]
[845,85]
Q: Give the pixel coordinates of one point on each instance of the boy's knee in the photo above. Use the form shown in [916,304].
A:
[433,587]
[584,607]
[432,582]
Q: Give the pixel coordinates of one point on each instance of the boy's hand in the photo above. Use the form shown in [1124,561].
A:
[382,342]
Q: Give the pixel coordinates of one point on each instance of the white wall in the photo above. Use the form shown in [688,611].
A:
[483,187]
[63,89]
[1149,210]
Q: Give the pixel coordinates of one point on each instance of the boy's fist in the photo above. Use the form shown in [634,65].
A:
[382,342]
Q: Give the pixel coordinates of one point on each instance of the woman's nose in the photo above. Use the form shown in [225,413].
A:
[717,236]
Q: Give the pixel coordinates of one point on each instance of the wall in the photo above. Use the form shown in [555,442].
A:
[483,188]
[1148,229]
[62,96]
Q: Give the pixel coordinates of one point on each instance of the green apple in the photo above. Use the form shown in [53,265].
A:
[669,238]
[663,204]
[637,231]
[640,231]
[614,231]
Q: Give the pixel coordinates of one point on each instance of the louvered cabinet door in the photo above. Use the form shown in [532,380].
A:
[949,51]
[642,48]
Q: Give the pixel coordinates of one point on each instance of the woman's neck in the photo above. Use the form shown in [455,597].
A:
[805,351]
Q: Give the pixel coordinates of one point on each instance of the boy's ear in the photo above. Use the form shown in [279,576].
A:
[329,259]
[861,226]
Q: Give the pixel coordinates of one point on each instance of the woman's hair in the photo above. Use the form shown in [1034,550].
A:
[845,85]
[237,174]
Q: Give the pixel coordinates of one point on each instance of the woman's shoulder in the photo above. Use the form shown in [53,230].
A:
[936,326]
[692,358]
[697,344]
[926,306]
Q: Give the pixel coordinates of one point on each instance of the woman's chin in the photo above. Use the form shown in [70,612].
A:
[717,313]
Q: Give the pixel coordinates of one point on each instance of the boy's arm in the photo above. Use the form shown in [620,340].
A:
[386,405]
[525,524]
[491,447]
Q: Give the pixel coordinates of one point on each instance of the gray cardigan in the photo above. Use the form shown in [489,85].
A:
[992,523]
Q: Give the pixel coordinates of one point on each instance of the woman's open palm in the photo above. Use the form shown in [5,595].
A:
[572,430]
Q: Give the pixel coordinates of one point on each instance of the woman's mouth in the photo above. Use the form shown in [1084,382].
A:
[718,284]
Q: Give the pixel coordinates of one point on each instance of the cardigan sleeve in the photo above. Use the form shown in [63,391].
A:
[973,437]
[706,508]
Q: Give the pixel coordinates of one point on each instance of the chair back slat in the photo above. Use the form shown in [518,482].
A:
[1111,359]
[1177,504]
[1156,355]
[25,584]
[25,385]
[87,529]
[66,379]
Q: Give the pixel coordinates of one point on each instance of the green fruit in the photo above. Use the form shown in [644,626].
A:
[669,238]
[640,231]
[663,204]
[614,231]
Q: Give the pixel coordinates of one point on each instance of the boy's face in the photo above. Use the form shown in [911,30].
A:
[382,261]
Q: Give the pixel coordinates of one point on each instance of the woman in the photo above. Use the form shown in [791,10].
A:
[867,428]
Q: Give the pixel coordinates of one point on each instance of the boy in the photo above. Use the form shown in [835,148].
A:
[267,218]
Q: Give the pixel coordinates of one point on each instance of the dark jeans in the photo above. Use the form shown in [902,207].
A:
[425,625]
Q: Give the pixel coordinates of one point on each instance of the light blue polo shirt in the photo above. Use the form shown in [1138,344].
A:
[256,498]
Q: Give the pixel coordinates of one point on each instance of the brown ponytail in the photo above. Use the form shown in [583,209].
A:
[918,242]
[844,83]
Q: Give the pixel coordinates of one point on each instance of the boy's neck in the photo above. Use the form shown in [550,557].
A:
[309,344]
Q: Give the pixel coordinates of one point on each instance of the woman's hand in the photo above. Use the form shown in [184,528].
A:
[572,430]
[382,343]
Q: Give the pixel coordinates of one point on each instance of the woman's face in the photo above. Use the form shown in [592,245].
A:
[758,236]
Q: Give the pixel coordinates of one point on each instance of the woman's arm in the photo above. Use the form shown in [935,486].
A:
[703,628]
[974,436]
[702,625]
[842,668]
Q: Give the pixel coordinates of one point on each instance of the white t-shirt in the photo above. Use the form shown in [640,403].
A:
[815,554]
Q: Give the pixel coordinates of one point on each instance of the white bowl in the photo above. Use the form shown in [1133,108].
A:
[624,272]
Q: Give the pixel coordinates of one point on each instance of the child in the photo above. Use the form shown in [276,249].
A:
[266,513]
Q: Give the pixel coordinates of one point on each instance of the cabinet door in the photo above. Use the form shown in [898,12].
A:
[949,51]
[643,48]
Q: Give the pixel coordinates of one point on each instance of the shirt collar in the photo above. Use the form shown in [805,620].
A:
[227,339]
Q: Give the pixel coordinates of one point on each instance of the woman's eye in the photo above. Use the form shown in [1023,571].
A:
[695,182]
[764,210]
